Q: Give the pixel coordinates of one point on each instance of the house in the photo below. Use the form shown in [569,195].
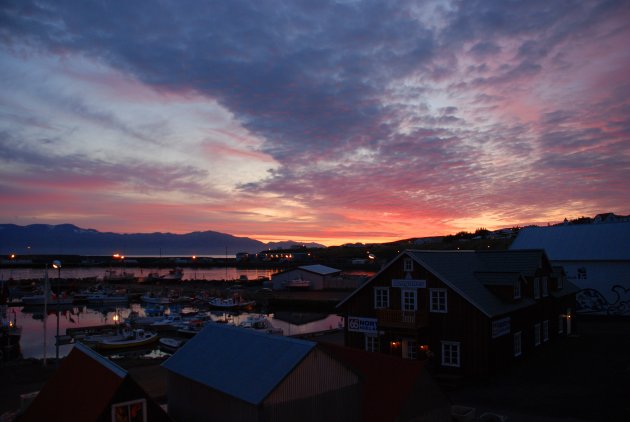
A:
[595,257]
[308,277]
[89,387]
[466,313]
[229,373]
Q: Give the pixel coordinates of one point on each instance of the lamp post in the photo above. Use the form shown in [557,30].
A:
[57,265]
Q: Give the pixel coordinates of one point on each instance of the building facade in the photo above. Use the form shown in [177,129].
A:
[467,313]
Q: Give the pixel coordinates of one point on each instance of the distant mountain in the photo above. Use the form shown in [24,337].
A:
[288,244]
[68,239]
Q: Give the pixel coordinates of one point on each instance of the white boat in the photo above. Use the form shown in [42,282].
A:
[168,322]
[261,324]
[231,303]
[113,276]
[134,338]
[51,299]
[171,344]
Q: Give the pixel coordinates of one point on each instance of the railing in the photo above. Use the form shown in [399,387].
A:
[401,319]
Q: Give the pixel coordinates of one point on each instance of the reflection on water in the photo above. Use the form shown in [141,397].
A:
[39,328]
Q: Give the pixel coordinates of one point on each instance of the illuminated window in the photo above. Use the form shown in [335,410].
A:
[518,350]
[408,264]
[545,328]
[450,353]
[135,410]
[381,298]
[438,300]
[537,335]
[371,343]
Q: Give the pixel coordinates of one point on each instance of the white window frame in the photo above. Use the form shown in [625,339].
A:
[517,289]
[403,303]
[436,304]
[518,344]
[410,348]
[408,264]
[451,353]
[545,330]
[545,287]
[382,301]
[560,324]
[536,288]
[537,334]
[127,404]
[371,343]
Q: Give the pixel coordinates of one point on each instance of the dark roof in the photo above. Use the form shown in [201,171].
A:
[460,271]
[578,242]
[238,362]
[80,390]
[497,278]
[391,386]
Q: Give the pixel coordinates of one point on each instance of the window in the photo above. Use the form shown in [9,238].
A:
[518,350]
[545,290]
[517,289]
[410,349]
[371,343]
[408,264]
[381,298]
[450,353]
[536,288]
[409,302]
[135,410]
[546,330]
[537,335]
[438,300]
[560,281]
[560,324]
[581,273]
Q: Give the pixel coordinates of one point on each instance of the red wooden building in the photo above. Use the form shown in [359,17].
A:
[467,313]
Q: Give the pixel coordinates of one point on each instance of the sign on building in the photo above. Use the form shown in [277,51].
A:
[501,327]
[409,283]
[362,325]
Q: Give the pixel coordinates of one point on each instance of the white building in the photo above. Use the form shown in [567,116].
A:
[595,257]
[307,277]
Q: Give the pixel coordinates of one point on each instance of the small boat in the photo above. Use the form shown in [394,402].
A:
[168,322]
[101,297]
[176,274]
[51,299]
[134,338]
[171,344]
[113,276]
[261,324]
[153,298]
[231,303]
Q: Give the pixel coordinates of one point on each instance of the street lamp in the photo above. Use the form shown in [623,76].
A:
[57,265]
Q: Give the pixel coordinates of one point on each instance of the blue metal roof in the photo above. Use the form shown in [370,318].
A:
[319,269]
[580,242]
[239,362]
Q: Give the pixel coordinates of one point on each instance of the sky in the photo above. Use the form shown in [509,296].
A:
[315,121]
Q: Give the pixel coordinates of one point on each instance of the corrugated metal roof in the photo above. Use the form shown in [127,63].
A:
[319,269]
[239,362]
[579,242]
[498,279]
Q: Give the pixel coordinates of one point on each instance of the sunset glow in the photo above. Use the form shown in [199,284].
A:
[318,122]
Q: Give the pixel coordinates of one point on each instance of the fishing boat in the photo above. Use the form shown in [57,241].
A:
[156,298]
[113,276]
[170,322]
[51,299]
[134,338]
[261,324]
[232,303]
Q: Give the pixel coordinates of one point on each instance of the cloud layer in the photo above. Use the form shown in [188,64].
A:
[326,121]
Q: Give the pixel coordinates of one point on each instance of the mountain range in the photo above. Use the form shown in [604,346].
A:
[68,239]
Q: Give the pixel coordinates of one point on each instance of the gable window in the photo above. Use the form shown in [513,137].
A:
[410,349]
[537,335]
[408,264]
[560,324]
[450,353]
[536,288]
[517,289]
[371,343]
[134,410]
[409,299]
[545,289]
[438,300]
[381,298]
[518,349]
[545,328]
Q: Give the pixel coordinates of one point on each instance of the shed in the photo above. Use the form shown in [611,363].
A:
[317,277]
[89,387]
[595,258]
[228,373]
